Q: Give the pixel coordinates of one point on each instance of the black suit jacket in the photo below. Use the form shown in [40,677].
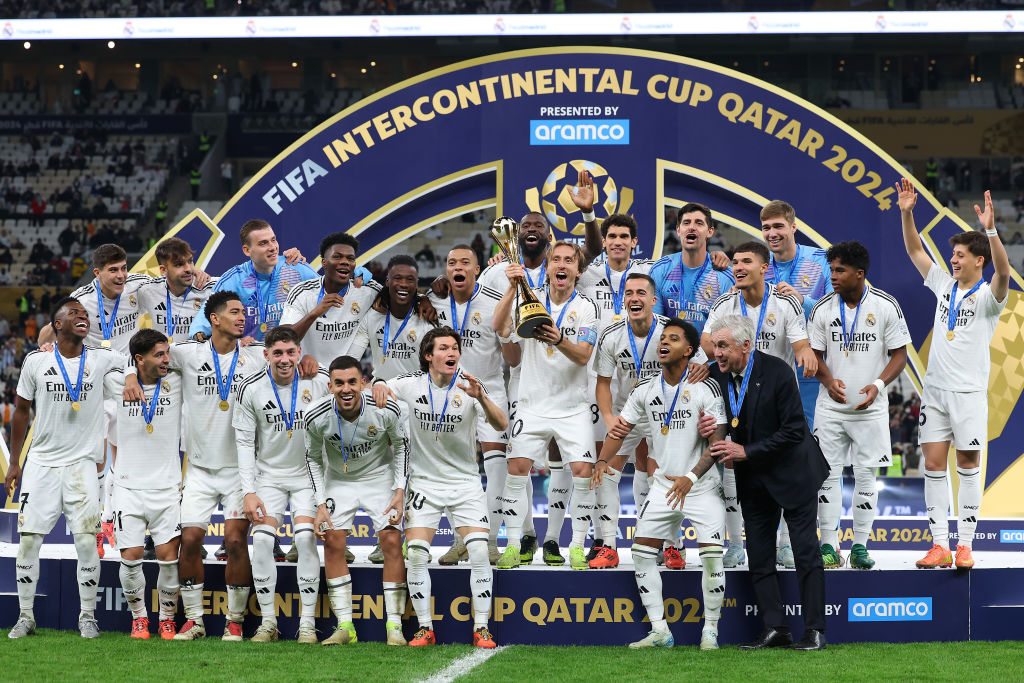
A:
[782,456]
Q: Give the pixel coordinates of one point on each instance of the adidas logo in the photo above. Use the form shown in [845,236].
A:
[422,400]
[162,306]
[836,323]
[970,520]
[308,589]
[583,518]
[205,367]
[262,591]
[657,401]
[25,579]
[625,354]
[558,506]
[270,406]
[484,520]
[732,508]
[416,596]
[864,506]
[717,589]
[605,518]
[717,536]
[90,582]
[485,594]
[52,372]
[884,460]
[643,589]
[822,499]
[974,442]
[931,521]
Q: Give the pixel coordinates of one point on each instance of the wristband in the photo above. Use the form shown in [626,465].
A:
[561,336]
[880,384]
[692,477]
[992,232]
[604,461]
[505,340]
[589,216]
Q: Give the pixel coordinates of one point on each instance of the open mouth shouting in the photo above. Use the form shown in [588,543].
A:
[561,277]
[347,399]
[690,238]
[82,326]
[664,351]
[635,308]
[402,295]
[458,279]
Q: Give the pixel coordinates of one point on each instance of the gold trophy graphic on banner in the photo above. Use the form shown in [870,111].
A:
[530,313]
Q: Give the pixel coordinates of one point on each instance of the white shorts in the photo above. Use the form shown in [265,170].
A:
[957,416]
[573,434]
[48,492]
[466,505]
[861,443]
[109,426]
[204,489]
[632,442]
[372,494]
[705,510]
[285,493]
[485,433]
[136,510]
[597,422]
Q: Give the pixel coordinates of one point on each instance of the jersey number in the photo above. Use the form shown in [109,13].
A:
[24,501]
[416,501]
[517,427]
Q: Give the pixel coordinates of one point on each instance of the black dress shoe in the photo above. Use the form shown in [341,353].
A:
[770,637]
[813,640]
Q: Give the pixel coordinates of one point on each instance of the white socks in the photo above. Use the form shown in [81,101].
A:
[339,592]
[192,601]
[733,514]
[307,572]
[865,504]
[969,499]
[481,577]
[27,572]
[419,581]
[936,500]
[783,532]
[584,500]
[133,584]
[395,596]
[641,487]
[495,469]
[264,570]
[167,587]
[830,507]
[238,597]
[558,500]
[648,582]
[712,584]
[515,507]
[608,508]
[88,571]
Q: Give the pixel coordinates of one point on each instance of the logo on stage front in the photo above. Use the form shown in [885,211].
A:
[1011,535]
[890,609]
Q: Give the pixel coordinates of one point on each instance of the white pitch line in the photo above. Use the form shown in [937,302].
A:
[463,665]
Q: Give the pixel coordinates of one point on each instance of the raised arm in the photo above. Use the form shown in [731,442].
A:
[583,197]
[911,240]
[1001,278]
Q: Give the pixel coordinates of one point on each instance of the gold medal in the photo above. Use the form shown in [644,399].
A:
[664,429]
[263,327]
[735,422]
[344,467]
[224,405]
[105,343]
[149,429]
[950,335]
[551,350]
[76,406]
[384,360]
[289,433]
[617,317]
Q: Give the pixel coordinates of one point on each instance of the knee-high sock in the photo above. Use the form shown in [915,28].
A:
[307,571]
[865,504]
[481,577]
[969,499]
[395,595]
[641,487]
[192,601]
[936,501]
[238,598]
[419,581]
[784,534]
[167,587]
[495,469]
[264,571]
[558,500]
[712,584]
[88,571]
[584,500]
[830,507]
[648,582]
[107,491]
[133,585]
[528,528]
[339,592]
[27,572]
[733,514]
[515,507]
[608,507]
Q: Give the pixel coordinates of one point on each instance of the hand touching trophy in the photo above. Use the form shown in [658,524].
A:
[530,313]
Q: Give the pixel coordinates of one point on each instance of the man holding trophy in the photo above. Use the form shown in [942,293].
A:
[556,326]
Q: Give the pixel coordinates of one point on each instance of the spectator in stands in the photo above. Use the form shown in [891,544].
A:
[26,304]
[5,239]
[479,248]
[40,253]
[78,267]
[99,209]
[6,258]
[425,256]
[5,278]
[5,327]
[66,238]
[895,397]
[1018,205]
[38,208]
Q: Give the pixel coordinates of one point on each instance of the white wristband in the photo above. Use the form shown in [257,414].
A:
[505,340]
[589,216]
[880,384]
[692,477]
[992,232]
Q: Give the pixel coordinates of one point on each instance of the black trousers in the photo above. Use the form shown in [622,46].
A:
[761,515]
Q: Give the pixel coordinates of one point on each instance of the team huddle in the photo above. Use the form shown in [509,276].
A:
[257,377]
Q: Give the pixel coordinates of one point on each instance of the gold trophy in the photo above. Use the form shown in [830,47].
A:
[530,313]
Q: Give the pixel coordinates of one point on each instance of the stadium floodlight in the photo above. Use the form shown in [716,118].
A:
[27,45]
[110,44]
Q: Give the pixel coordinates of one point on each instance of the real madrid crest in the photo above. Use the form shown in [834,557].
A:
[411,336]
[457,401]
[870,320]
[770,320]
[354,308]
[306,396]
[371,432]
[477,318]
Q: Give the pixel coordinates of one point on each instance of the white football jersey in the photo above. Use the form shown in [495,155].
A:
[155,297]
[551,384]
[678,451]
[442,453]
[494,277]
[148,460]
[328,337]
[614,357]
[474,320]
[594,283]
[880,328]
[260,418]
[784,322]
[374,443]
[61,435]
[209,436]
[403,344]
[125,320]
[961,364]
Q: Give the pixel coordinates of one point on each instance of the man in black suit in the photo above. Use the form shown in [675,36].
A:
[779,469]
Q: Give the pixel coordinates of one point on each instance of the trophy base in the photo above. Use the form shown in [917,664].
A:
[531,316]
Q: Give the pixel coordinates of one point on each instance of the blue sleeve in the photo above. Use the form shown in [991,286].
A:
[822,289]
[657,274]
[306,271]
[726,279]
[227,281]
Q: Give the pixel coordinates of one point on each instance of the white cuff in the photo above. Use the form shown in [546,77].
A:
[992,232]
[880,384]
[589,216]
[692,477]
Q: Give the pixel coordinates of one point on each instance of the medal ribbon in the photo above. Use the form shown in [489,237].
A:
[289,418]
[261,306]
[526,271]
[75,391]
[736,402]
[341,437]
[387,328]
[617,299]
[954,308]
[170,311]
[696,282]
[760,315]
[465,316]
[320,296]
[638,359]
[107,327]
[149,411]
[430,392]
[547,306]
[672,408]
[224,385]
[794,269]
[848,338]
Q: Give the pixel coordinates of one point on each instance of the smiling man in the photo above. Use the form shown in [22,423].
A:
[174,299]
